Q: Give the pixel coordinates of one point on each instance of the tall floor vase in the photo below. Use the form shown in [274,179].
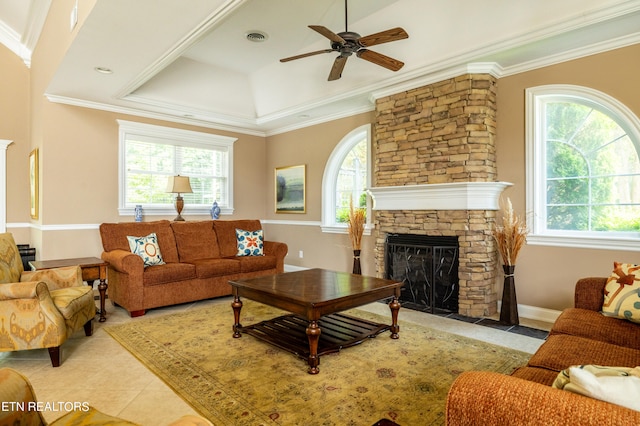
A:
[509,309]
[356,262]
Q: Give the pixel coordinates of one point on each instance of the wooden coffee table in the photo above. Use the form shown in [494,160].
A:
[315,297]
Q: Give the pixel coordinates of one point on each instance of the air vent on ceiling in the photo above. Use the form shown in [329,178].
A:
[257,36]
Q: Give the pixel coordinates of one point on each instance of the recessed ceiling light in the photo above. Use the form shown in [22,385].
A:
[103,70]
[256,36]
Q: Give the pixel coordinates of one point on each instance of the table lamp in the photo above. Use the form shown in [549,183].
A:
[177,185]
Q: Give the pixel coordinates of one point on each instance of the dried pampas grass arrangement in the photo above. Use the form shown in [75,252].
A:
[357,219]
[511,235]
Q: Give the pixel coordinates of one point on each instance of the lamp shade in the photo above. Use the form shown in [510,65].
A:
[179,184]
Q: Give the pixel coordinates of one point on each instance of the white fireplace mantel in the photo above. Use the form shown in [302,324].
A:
[439,196]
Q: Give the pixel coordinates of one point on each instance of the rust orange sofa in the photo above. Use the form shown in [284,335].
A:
[200,259]
[581,335]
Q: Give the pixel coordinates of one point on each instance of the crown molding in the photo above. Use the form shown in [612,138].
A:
[149,114]
[177,49]
[571,55]
[11,40]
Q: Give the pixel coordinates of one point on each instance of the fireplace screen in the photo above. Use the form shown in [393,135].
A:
[429,268]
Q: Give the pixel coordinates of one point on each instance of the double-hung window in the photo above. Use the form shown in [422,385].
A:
[150,154]
[583,169]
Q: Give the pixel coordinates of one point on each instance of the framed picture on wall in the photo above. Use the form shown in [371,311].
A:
[33,183]
[290,189]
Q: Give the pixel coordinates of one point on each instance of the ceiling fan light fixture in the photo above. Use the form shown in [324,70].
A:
[256,36]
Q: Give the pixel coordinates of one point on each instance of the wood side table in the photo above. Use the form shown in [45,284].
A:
[93,269]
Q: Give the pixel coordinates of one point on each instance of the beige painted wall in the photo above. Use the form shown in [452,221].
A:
[14,125]
[79,167]
[545,276]
[80,178]
[312,146]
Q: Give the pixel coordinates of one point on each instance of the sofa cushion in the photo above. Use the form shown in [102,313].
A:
[226,233]
[147,248]
[535,374]
[114,236]
[250,243]
[594,325]
[622,292]
[195,240]
[256,263]
[168,273]
[207,268]
[561,351]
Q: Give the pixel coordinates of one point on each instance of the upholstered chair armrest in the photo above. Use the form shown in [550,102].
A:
[15,388]
[279,250]
[589,293]
[23,290]
[492,399]
[56,278]
[37,322]
[124,261]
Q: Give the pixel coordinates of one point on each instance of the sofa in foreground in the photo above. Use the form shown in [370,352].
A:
[580,336]
[179,262]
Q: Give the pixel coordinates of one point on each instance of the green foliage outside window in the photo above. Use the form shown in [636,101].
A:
[593,171]
[352,179]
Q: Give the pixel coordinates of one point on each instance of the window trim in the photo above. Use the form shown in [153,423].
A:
[330,179]
[535,166]
[188,137]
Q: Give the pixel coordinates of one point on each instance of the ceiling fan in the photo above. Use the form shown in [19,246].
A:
[347,43]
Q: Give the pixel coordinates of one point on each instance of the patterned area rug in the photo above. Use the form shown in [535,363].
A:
[248,382]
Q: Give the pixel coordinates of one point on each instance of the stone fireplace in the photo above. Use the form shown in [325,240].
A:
[435,175]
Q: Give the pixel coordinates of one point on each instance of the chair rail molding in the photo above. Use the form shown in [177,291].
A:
[4,144]
[439,196]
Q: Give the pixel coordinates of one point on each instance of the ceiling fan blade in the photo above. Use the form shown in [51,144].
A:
[304,55]
[327,33]
[380,59]
[383,37]
[338,66]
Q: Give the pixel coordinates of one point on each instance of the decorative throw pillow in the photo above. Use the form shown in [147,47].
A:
[617,385]
[147,248]
[250,243]
[622,292]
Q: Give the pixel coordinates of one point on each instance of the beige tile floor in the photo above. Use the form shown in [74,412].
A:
[97,370]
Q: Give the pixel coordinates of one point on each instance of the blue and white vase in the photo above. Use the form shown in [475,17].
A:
[138,213]
[215,210]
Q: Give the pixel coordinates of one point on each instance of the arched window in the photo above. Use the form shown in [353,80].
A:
[347,175]
[583,169]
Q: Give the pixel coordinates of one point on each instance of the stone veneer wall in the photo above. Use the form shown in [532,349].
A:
[442,133]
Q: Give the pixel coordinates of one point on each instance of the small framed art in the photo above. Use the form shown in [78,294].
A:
[290,189]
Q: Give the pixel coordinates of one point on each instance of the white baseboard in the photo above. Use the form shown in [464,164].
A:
[536,313]
[293,268]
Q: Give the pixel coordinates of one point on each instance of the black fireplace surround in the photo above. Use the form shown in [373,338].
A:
[428,266]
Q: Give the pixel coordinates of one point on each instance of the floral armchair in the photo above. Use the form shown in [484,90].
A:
[40,309]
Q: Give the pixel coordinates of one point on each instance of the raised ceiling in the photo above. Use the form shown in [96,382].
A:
[191,61]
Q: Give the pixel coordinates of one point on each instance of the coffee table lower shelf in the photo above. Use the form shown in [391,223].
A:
[338,331]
